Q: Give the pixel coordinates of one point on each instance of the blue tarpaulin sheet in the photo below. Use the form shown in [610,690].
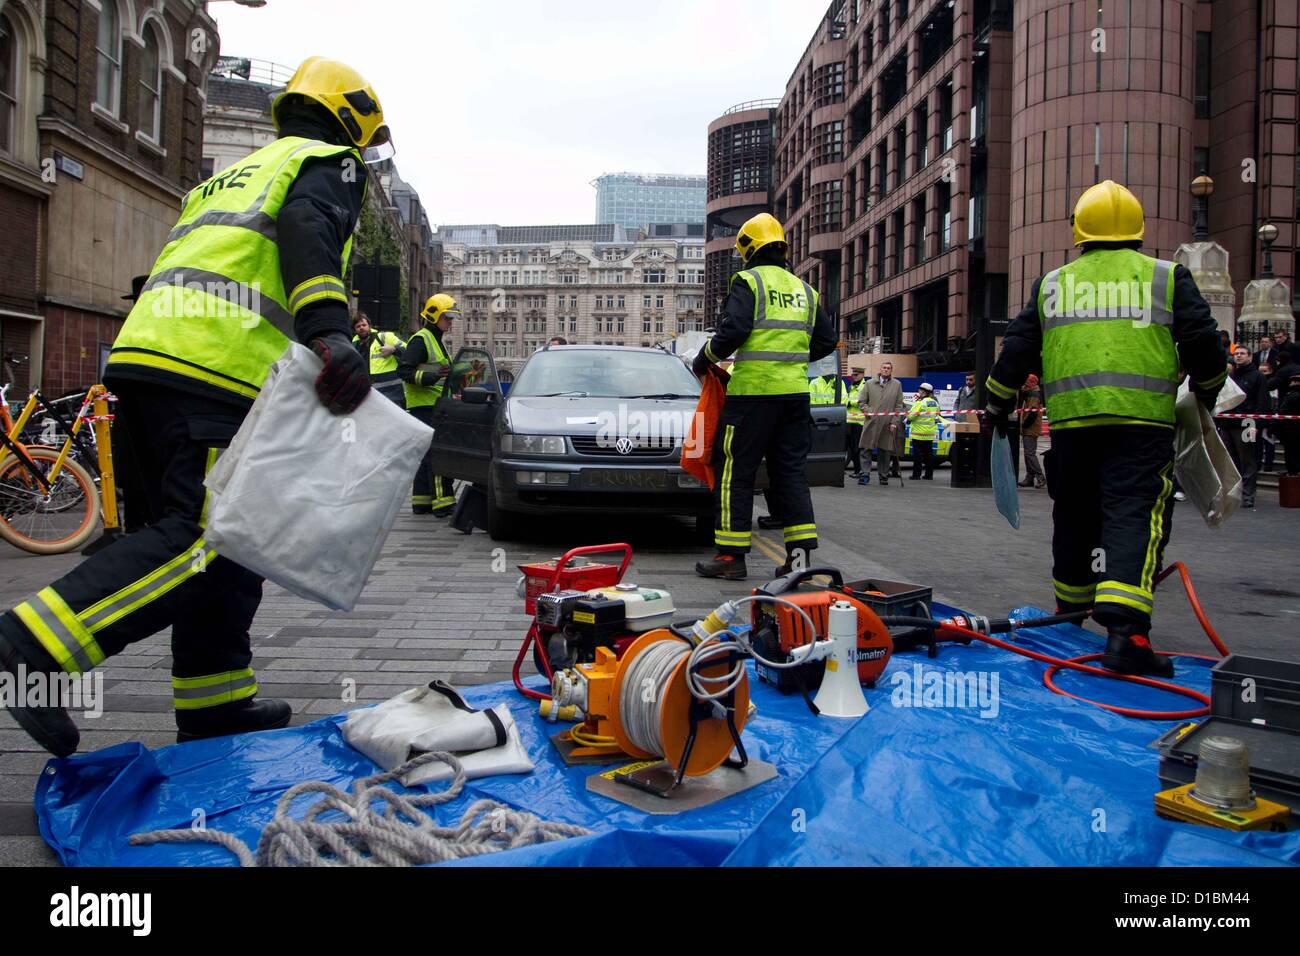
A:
[1009,774]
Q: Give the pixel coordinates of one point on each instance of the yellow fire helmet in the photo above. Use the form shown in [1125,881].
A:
[349,98]
[1107,212]
[760,231]
[436,306]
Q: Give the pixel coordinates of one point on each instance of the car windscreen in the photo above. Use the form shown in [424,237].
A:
[596,373]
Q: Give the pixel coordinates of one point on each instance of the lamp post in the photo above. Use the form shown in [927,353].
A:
[1267,235]
[1202,189]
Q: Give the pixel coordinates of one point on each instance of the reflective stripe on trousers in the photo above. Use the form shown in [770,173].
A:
[69,638]
[213,690]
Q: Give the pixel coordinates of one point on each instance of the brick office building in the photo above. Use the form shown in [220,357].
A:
[927,153]
[101,124]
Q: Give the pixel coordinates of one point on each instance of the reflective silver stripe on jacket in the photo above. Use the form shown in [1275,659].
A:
[1156,313]
[1160,314]
[325,285]
[260,222]
[761,321]
[1072,383]
[238,295]
[760,298]
[772,356]
[266,190]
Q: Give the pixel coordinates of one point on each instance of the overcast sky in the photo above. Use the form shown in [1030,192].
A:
[505,111]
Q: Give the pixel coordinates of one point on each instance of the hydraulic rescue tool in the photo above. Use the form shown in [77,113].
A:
[776,630]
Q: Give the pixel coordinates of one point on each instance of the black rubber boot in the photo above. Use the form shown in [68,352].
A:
[1133,655]
[769,522]
[442,512]
[797,557]
[240,717]
[729,567]
[51,727]
[421,510]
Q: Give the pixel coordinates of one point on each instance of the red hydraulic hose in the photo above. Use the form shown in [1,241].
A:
[1080,663]
[1195,602]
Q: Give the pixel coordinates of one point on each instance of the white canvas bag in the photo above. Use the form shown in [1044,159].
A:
[306,498]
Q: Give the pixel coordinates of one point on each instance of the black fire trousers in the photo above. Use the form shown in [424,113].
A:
[429,491]
[922,458]
[165,574]
[852,453]
[1112,493]
[780,429]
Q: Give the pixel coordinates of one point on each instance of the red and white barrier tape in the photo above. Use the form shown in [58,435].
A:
[1261,418]
[1017,411]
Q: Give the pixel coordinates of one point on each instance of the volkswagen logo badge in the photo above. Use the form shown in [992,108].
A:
[624,446]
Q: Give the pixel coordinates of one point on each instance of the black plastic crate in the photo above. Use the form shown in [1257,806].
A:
[894,597]
[1273,697]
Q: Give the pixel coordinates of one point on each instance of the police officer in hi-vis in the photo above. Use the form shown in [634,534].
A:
[774,324]
[1109,336]
[275,232]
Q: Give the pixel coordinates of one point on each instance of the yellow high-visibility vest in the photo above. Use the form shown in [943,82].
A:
[214,309]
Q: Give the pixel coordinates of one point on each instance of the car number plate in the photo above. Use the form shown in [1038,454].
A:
[625,479]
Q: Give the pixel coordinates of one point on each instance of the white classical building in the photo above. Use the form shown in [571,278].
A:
[518,286]
[237,110]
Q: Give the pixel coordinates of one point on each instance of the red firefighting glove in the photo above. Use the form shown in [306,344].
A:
[344,381]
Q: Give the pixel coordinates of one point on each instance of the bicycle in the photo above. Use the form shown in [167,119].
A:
[52,423]
[49,504]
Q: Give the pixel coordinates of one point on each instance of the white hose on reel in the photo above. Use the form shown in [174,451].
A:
[642,693]
[713,646]
[646,678]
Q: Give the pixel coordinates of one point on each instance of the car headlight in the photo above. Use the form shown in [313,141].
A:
[532,444]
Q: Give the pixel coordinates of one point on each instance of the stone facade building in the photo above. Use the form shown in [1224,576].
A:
[101,119]
[237,111]
[520,285]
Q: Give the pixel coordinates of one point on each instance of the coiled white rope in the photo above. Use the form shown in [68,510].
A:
[402,835]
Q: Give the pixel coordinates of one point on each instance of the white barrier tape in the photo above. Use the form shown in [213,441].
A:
[1017,411]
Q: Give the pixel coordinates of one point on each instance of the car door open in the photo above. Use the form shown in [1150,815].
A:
[464,417]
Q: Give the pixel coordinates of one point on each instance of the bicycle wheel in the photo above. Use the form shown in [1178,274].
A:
[41,523]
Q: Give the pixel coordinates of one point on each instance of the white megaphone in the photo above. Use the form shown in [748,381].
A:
[840,694]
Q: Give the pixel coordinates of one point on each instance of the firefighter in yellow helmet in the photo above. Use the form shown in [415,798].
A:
[256,260]
[424,368]
[774,324]
[1109,336]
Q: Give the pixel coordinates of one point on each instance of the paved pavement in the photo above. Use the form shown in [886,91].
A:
[441,604]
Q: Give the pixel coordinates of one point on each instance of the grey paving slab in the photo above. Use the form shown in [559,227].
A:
[26,851]
[435,607]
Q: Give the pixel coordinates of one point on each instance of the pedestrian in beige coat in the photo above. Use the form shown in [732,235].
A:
[883,434]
